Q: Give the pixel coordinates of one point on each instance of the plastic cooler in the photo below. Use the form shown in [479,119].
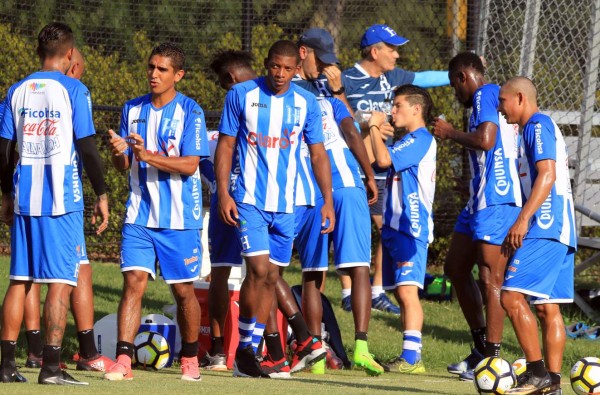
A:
[231,334]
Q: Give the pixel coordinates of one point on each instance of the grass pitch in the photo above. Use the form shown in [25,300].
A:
[445,340]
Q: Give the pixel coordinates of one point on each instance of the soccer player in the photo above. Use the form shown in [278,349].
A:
[407,215]
[495,201]
[162,138]
[231,67]
[82,297]
[543,239]
[369,86]
[264,120]
[352,235]
[49,118]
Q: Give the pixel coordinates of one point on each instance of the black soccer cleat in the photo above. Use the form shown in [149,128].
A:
[57,376]
[246,364]
[11,375]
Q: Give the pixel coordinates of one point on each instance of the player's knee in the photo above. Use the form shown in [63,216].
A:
[509,300]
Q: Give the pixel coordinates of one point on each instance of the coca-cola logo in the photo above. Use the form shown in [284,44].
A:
[45,127]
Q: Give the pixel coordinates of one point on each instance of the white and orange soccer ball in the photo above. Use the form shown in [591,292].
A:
[519,367]
[493,376]
[585,376]
[151,350]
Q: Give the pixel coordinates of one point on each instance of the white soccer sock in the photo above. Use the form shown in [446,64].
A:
[346,292]
[376,290]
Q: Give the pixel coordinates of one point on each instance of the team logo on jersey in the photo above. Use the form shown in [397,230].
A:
[283,142]
[546,219]
[196,195]
[39,113]
[539,144]
[36,87]
[413,205]
[141,120]
[198,131]
[75,177]
[259,105]
[501,186]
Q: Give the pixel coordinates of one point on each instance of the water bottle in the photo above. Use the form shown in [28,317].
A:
[362,117]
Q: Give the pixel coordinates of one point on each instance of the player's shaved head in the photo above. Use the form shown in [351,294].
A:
[284,48]
[522,85]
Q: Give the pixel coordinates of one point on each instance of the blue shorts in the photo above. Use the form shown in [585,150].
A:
[490,224]
[312,246]
[352,233]
[178,252]
[404,259]
[377,207]
[263,232]
[223,248]
[542,269]
[47,249]
[493,223]
[463,222]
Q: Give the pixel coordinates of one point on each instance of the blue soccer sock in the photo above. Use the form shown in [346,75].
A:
[246,328]
[257,335]
[411,347]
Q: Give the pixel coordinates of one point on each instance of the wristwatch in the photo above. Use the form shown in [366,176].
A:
[339,91]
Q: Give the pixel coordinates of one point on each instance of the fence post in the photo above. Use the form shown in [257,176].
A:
[590,84]
[530,28]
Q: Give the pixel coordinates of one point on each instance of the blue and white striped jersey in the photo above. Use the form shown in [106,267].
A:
[307,189]
[268,128]
[555,219]
[494,173]
[159,199]
[368,93]
[408,197]
[344,167]
[45,114]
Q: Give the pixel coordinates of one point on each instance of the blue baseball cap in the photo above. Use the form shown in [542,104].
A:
[321,42]
[381,33]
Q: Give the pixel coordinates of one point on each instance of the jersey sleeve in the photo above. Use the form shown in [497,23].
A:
[194,141]
[540,140]
[485,107]
[429,79]
[81,103]
[232,110]
[398,77]
[313,126]
[7,127]
[340,111]
[408,152]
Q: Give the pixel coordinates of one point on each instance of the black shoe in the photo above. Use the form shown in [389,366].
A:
[33,361]
[554,389]
[8,375]
[531,384]
[246,364]
[57,376]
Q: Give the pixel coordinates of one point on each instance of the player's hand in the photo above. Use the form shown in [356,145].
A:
[101,210]
[117,143]
[372,191]
[327,218]
[387,131]
[136,143]
[8,209]
[228,210]
[514,238]
[377,119]
[334,77]
[442,129]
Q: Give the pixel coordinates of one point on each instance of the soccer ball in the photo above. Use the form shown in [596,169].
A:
[519,366]
[151,350]
[585,376]
[493,376]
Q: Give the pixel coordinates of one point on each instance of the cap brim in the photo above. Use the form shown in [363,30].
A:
[396,40]
[327,58]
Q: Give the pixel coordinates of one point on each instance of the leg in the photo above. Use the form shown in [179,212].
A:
[56,309]
[492,265]
[361,298]
[258,289]
[412,316]
[12,309]
[376,264]
[553,335]
[218,300]
[32,326]
[82,299]
[188,311]
[130,306]
[312,307]
[524,323]
[458,266]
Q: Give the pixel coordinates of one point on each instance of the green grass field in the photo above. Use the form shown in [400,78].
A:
[445,340]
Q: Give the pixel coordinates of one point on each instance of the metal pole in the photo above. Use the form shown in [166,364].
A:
[481,40]
[528,43]
[587,108]
[246,25]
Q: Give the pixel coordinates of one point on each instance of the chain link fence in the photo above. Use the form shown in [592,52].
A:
[116,37]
